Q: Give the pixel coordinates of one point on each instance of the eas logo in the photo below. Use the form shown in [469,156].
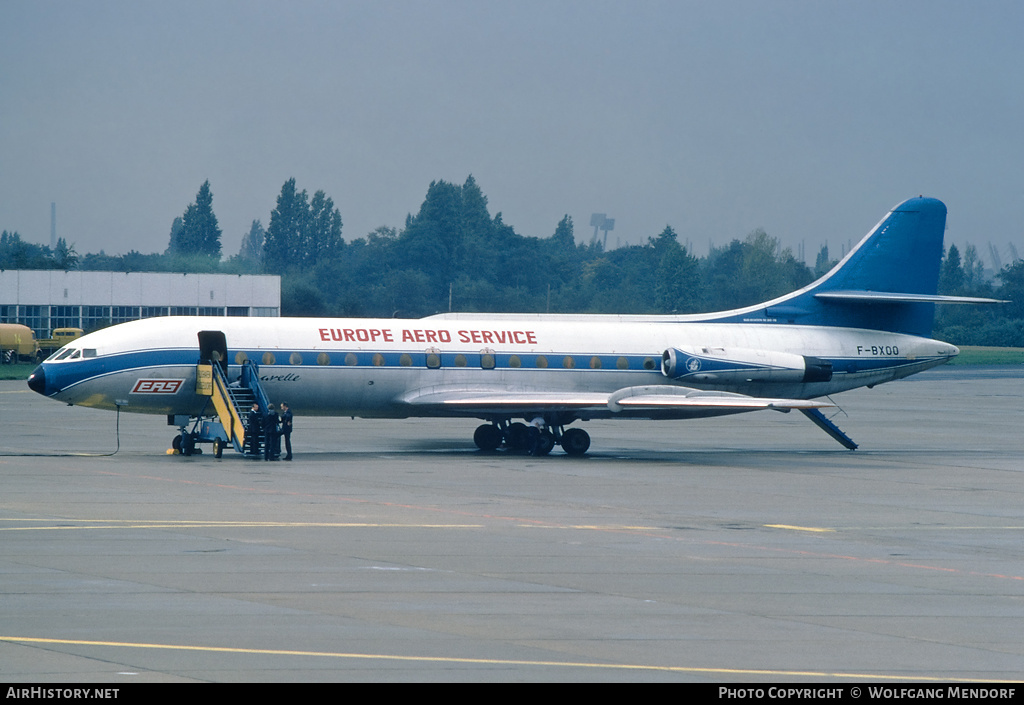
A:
[157,386]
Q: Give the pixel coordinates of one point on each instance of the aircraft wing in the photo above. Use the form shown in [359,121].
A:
[659,399]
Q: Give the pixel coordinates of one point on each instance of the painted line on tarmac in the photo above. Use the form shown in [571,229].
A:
[77,524]
[485,662]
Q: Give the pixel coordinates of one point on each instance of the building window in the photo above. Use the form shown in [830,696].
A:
[123,314]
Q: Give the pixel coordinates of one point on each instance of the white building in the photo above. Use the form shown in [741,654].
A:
[48,299]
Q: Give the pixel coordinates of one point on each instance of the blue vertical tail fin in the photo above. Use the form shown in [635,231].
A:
[888,281]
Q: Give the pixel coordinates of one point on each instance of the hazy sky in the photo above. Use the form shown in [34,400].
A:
[808,118]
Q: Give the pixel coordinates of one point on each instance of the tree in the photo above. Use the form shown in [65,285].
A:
[951,276]
[285,232]
[65,257]
[251,252]
[322,238]
[199,233]
[822,264]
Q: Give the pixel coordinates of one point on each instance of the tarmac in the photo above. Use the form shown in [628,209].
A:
[750,548]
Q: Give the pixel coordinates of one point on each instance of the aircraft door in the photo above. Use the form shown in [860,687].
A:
[213,347]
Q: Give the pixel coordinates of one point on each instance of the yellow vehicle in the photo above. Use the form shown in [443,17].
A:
[17,344]
[61,337]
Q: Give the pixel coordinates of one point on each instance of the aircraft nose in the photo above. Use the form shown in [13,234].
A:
[37,380]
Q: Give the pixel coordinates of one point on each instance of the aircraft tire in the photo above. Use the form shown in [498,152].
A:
[218,448]
[176,443]
[487,437]
[547,443]
[516,436]
[575,442]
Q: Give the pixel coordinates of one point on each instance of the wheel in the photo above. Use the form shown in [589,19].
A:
[575,441]
[487,437]
[176,443]
[188,444]
[547,443]
[218,447]
[516,437]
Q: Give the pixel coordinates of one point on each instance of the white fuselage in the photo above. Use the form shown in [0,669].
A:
[377,367]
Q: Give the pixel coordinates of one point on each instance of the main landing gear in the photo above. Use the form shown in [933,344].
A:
[516,437]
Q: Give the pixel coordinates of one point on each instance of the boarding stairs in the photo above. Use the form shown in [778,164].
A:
[232,401]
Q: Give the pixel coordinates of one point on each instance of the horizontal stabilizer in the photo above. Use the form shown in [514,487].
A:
[898,298]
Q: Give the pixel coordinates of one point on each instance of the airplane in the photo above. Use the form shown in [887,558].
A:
[865,322]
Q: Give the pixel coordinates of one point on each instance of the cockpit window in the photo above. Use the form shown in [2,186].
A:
[60,354]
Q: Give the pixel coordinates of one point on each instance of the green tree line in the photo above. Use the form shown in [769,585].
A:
[454,255]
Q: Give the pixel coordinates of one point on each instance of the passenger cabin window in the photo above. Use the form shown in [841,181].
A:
[295,359]
[460,360]
[542,361]
[241,358]
[268,358]
[323,359]
[487,361]
[350,359]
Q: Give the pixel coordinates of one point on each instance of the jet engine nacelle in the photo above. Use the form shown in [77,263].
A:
[729,365]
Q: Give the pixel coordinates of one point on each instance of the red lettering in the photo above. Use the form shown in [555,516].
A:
[516,337]
[387,337]
[487,336]
[464,336]
[324,334]
[476,336]
[500,335]
[431,336]
[532,337]
[407,336]
[350,335]
[362,336]
[336,334]
[419,337]
[445,336]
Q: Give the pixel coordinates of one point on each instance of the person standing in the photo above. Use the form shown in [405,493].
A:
[253,431]
[270,433]
[286,429]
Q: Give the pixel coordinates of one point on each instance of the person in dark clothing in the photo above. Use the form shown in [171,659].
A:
[253,430]
[286,429]
[270,433]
